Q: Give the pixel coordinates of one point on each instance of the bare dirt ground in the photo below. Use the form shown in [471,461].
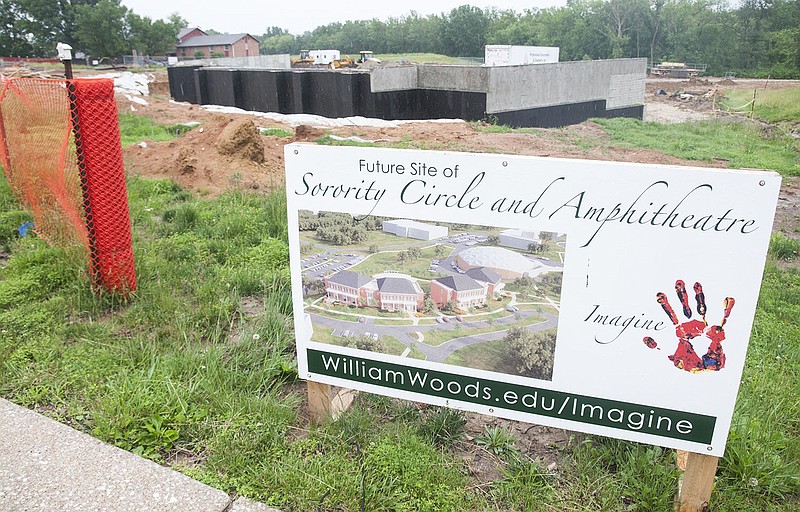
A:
[199,161]
[226,152]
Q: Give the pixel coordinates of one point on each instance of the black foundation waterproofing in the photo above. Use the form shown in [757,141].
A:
[342,94]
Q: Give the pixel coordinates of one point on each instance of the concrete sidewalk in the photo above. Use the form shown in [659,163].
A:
[47,466]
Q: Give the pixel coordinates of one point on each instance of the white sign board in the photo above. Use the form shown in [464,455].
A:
[609,298]
[511,55]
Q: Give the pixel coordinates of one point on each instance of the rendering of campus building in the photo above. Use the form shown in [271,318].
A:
[463,290]
[467,290]
[387,293]
[414,229]
[507,264]
[518,238]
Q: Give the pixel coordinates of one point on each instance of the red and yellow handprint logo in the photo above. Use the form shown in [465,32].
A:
[685,357]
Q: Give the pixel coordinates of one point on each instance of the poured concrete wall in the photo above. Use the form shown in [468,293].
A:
[543,95]
[280,61]
[454,78]
[220,86]
[438,78]
[619,82]
[399,78]
[182,85]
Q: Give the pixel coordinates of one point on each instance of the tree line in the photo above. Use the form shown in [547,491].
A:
[750,37]
[100,28]
[757,37]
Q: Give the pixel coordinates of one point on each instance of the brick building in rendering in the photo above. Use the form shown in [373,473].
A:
[462,289]
[387,293]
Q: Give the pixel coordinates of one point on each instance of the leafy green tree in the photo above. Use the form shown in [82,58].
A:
[153,37]
[428,305]
[101,29]
[41,23]
[464,33]
[13,40]
[532,353]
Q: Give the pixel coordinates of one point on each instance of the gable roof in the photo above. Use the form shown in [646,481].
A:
[459,283]
[349,278]
[484,274]
[185,31]
[396,285]
[215,40]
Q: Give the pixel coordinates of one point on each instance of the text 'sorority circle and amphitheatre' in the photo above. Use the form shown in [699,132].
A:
[602,297]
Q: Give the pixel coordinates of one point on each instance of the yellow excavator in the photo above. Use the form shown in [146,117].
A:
[343,62]
[304,60]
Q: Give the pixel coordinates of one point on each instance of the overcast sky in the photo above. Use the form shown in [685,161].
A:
[253,17]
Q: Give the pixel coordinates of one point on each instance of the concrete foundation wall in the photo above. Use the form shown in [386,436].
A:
[453,78]
[401,78]
[280,61]
[543,95]
[221,86]
[182,85]
[513,88]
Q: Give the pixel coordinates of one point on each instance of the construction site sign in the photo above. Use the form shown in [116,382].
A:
[602,297]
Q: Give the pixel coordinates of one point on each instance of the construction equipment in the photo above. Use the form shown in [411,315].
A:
[677,69]
[367,56]
[343,62]
[304,60]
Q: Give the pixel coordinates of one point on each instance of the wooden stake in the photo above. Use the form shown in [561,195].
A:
[694,489]
[326,402]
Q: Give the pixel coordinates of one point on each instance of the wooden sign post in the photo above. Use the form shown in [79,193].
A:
[697,481]
[326,402]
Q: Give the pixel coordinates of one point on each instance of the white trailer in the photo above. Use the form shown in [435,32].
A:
[324,57]
[510,55]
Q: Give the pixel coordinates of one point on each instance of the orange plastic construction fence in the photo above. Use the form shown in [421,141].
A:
[61,152]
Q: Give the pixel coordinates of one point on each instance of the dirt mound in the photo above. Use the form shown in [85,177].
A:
[305,132]
[241,139]
[186,162]
[727,82]
[223,153]
[158,88]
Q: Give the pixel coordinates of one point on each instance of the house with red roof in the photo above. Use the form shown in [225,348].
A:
[226,45]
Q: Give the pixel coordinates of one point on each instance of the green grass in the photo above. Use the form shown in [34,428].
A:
[135,129]
[383,261]
[488,127]
[380,238]
[337,316]
[489,355]
[423,58]
[182,368]
[772,105]
[276,132]
[740,144]
[436,338]
[399,321]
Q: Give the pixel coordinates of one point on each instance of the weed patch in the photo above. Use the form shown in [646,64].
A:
[134,129]
[182,367]
[741,145]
